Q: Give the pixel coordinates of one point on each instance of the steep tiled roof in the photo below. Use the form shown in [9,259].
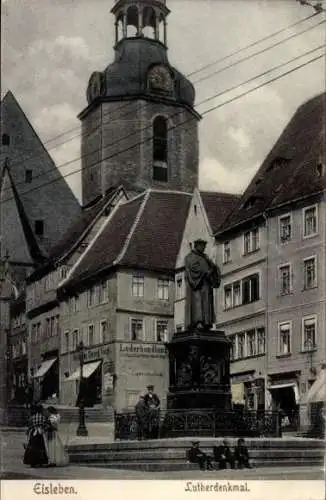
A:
[218,206]
[145,233]
[48,188]
[83,223]
[290,171]
[157,238]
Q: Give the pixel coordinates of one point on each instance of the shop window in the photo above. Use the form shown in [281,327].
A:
[251,343]
[103,291]
[179,287]
[103,331]
[226,252]
[137,329]
[91,335]
[161,331]
[310,275]
[163,286]
[310,222]
[285,279]
[285,338]
[309,333]
[137,286]
[285,228]
[251,241]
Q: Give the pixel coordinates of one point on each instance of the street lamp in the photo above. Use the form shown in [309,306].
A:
[81,430]
[309,347]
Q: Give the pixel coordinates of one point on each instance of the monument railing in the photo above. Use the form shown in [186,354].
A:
[205,423]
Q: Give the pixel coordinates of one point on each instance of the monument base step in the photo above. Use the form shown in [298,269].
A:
[184,466]
[169,454]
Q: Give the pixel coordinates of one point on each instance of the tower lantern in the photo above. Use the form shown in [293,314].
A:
[141,18]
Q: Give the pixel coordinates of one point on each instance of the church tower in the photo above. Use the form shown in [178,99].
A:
[140,128]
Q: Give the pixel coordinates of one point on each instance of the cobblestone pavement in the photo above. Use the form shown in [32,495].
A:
[12,468]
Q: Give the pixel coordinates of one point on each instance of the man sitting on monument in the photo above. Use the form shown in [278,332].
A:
[223,455]
[196,456]
[202,276]
[241,455]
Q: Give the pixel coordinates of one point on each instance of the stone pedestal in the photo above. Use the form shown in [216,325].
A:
[199,370]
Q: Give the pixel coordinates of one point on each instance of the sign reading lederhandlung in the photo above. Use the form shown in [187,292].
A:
[150,350]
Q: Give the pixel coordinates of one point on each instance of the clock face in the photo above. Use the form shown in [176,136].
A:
[160,78]
[95,86]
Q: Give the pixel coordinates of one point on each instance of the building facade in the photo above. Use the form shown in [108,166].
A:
[271,248]
[241,305]
[296,312]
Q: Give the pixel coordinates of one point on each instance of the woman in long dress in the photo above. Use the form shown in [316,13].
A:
[36,453]
[56,450]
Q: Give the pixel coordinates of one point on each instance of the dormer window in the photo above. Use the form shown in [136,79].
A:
[279,161]
[250,202]
[320,170]
[160,149]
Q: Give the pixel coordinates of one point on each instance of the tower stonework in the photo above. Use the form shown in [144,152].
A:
[140,128]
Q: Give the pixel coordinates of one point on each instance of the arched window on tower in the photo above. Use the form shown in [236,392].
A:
[149,23]
[160,149]
[119,27]
[132,21]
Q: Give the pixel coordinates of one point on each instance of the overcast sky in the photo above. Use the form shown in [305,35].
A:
[49,50]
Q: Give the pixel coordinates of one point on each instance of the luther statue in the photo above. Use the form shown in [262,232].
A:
[202,276]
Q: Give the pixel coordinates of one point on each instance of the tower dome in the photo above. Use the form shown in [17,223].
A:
[141,66]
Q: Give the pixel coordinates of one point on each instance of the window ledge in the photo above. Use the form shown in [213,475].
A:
[248,357]
[244,254]
[285,241]
[308,351]
[304,289]
[287,355]
[283,294]
[307,236]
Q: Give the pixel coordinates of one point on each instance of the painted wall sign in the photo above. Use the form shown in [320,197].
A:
[147,350]
[94,353]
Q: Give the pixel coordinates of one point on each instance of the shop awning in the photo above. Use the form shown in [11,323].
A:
[317,392]
[284,386]
[237,391]
[44,368]
[281,386]
[88,370]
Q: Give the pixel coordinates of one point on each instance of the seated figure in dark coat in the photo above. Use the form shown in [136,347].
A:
[197,456]
[241,455]
[223,455]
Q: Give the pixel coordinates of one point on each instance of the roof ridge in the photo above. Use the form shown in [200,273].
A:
[223,193]
[133,228]
[203,209]
[143,193]
[56,171]
[169,191]
[91,224]
[92,243]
